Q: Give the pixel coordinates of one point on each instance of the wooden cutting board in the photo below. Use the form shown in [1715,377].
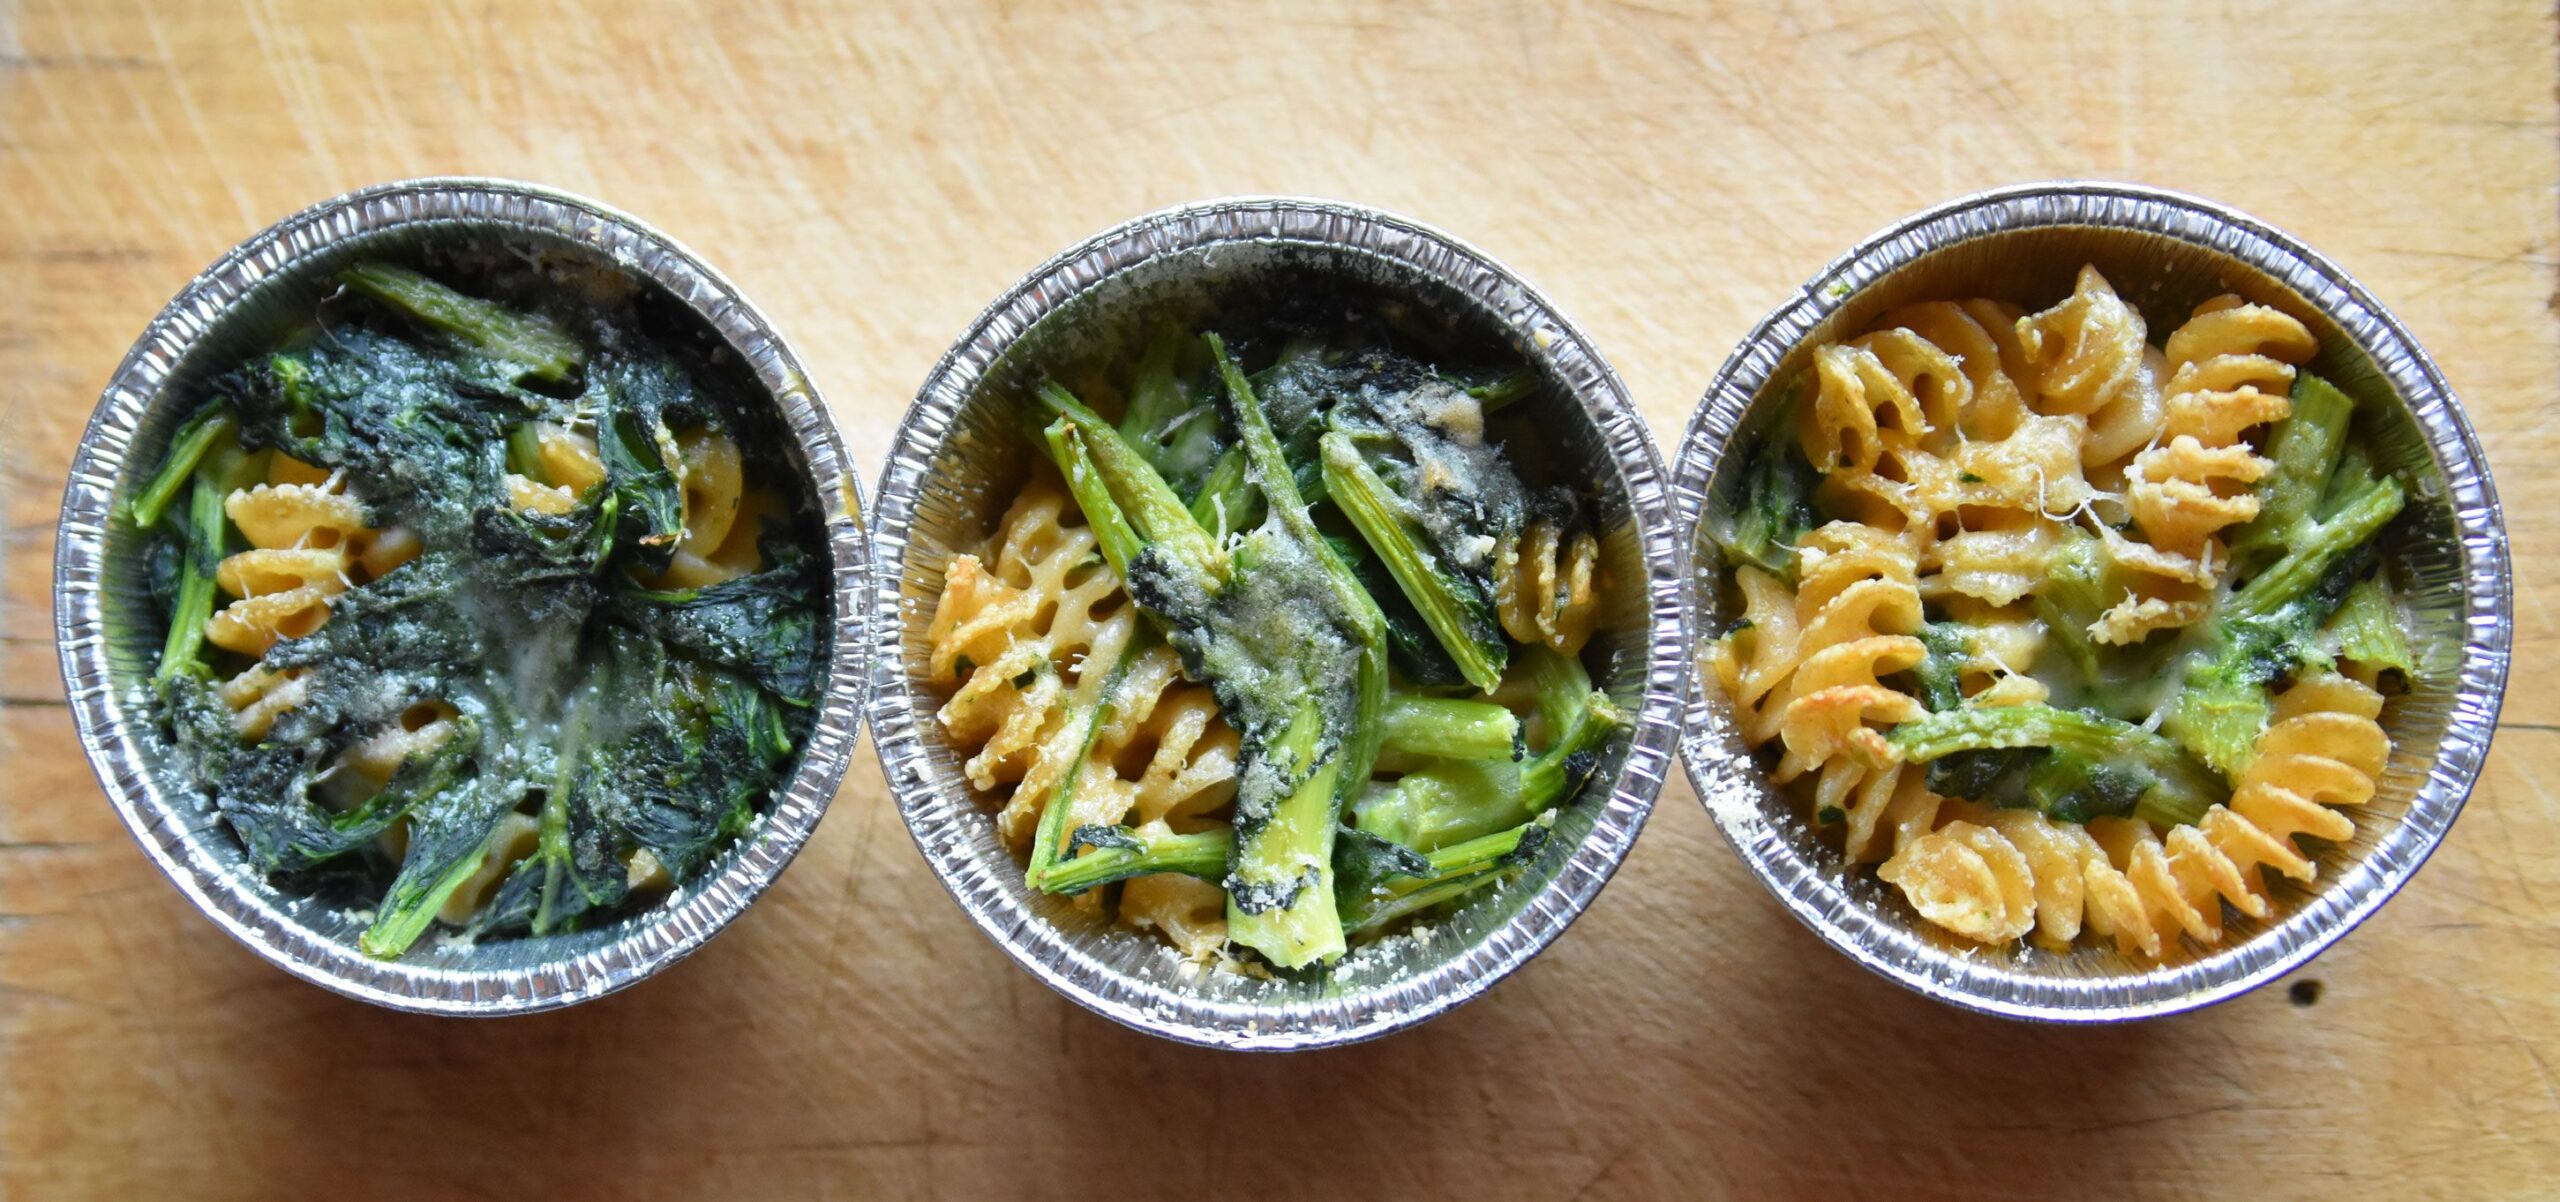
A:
[1666,172]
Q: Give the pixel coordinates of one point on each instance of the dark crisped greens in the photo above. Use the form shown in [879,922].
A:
[1300,535]
[631,724]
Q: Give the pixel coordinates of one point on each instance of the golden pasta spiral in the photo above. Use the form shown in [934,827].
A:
[1806,668]
[308,542]
[2089,359]
[1957,444]
[1546,586]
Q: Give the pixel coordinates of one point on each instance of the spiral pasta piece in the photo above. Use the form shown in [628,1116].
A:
[2231,366]
[1807,669]
[2090,359]
[305,539]
[1546,588]
[2142,887]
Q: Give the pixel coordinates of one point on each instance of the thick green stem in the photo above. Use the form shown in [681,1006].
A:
[2304,448]
[1453,606]
[1449,728]
[186,448]
[1280,886]
[1113,853]
[2184,788]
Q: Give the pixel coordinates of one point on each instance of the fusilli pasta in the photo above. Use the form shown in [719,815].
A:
[1545,586]
[1958,444]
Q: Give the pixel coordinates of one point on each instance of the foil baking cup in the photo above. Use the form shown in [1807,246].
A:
[2164,252]
[109,637]
[958,457]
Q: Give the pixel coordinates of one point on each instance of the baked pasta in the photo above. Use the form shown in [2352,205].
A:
[480,615]
[2066,632]
[1282,653]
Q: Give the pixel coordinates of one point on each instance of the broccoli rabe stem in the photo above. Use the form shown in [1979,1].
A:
[1155,393]
[1228,501]
[1497,395]
[1113,853]
[537,349]
[2361,513]
[1457,800]
[1132,487]
[2367,629]
[2304,448]
[449,835]
[1272,474]
[1280,887]
[220,467]
[1777,500]
[1450,728]
[524,453]
[1453,605]
[1087,716]
[1119,541]
[184,650]
[2073,598]
[1450,873]
[186,449]
[2267,628]
[1280,882]
[2181,791]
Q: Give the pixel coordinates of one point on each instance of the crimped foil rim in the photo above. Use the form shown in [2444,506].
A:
[122,762]
[1738,797]
[934,809]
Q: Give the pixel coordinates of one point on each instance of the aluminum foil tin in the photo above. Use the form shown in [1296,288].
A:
[108,641]
[2164,252]
[957,459]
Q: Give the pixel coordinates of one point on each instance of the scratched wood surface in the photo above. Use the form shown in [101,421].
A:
[1666,172]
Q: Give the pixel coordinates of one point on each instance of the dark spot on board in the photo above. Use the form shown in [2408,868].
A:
[2305,992]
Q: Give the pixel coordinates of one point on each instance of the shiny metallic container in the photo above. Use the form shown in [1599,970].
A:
[109,639]
[2164,252]
[951,472]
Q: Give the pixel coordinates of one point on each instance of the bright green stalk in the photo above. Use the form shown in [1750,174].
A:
[2368,630]
[186,448]
[2304,448]
[1228,501]
[1150,505]
[1049,843]
[194,604]
[1280,884]
[1449,728]
[1456,800]
[1119,541]
[1116,853]
[1453,605]
[2183,788]
[2363,510]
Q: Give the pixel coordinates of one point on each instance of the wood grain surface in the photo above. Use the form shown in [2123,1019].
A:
[1666,172]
